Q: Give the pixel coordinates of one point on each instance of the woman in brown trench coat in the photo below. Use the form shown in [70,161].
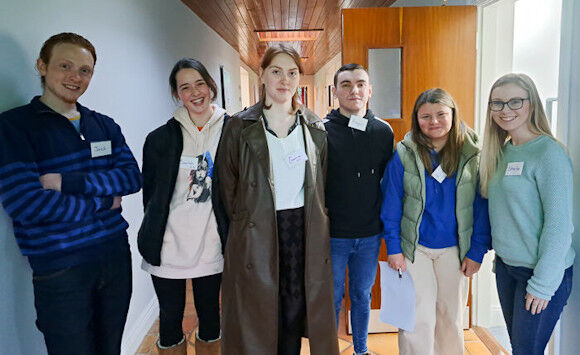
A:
[277,280]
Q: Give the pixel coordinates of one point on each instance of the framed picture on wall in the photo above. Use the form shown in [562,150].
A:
[303,93]
[225,82]
[331,99]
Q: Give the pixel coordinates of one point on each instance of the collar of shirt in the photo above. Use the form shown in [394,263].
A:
[41,107]
[294,125]
[435,158]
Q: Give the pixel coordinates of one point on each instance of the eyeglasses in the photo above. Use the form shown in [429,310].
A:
[514,104]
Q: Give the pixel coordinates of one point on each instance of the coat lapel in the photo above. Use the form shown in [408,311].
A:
[311,145]
[255,137]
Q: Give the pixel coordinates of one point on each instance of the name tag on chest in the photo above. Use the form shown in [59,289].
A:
[295,159]
[101,149]
[439,174]
[514,168]
[189,163]
[358,123]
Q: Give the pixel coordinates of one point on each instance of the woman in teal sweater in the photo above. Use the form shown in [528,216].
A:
[527,175]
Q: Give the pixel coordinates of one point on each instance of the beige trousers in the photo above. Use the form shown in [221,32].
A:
[440,300]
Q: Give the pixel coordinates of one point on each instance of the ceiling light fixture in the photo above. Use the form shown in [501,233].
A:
[288,35]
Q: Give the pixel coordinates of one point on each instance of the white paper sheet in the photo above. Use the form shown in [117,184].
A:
[397,298]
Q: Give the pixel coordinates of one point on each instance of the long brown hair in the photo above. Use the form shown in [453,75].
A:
[494,137]
[271,52]
[451,151]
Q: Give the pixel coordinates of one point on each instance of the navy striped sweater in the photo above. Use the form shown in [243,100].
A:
[57,229]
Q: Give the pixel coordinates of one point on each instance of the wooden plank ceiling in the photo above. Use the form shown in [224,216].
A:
[237,21]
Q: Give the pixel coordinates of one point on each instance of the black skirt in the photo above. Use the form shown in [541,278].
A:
[292,301]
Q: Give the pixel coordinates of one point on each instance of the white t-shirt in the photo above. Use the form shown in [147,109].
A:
[288,165]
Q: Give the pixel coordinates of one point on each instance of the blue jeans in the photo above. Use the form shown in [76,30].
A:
[82,309]
[361,255]
[528,333]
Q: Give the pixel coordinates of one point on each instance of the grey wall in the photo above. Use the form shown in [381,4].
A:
[570,131]
[137,43]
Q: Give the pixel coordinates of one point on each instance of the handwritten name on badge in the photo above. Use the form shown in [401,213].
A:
[514,168]
[188,163]
[294,159]
[358,123]
[100,149]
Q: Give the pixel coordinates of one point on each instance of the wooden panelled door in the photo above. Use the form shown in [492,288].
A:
[438,50]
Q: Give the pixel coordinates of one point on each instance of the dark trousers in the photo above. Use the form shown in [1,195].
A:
[528,333]
[82,310]
[171,296]
[292,302]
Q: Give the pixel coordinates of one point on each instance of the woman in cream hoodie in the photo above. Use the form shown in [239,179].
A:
[179,237]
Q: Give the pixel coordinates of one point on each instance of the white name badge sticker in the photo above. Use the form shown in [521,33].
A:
[358,122]
[189,163]
[100,149]
[295,159]
[514,168]
[439,174]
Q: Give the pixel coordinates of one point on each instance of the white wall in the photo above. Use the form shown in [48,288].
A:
[324,77]
[569,131]
[245,86]
[536,43]
[519,36]
[536,49]
[253,86]
[137,44]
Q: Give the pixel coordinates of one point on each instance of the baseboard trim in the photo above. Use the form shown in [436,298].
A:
[489,341]
[133,337]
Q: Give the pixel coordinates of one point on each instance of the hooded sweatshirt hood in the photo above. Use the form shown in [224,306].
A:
[342,119]
[182,116]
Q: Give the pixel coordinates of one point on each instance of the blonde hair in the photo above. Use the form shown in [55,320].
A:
[451,151]
[272,52]
[494,137]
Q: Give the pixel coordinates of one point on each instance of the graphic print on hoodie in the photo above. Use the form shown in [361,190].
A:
[200,177]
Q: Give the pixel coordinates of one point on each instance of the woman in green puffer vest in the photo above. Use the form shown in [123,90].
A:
[436,223]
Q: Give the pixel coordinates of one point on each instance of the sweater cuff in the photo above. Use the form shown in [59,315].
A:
[534,292]
[72,183]
[393,246]
[104,203]
[476,252]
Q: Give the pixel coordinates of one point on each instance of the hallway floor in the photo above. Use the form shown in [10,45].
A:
[381,344]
